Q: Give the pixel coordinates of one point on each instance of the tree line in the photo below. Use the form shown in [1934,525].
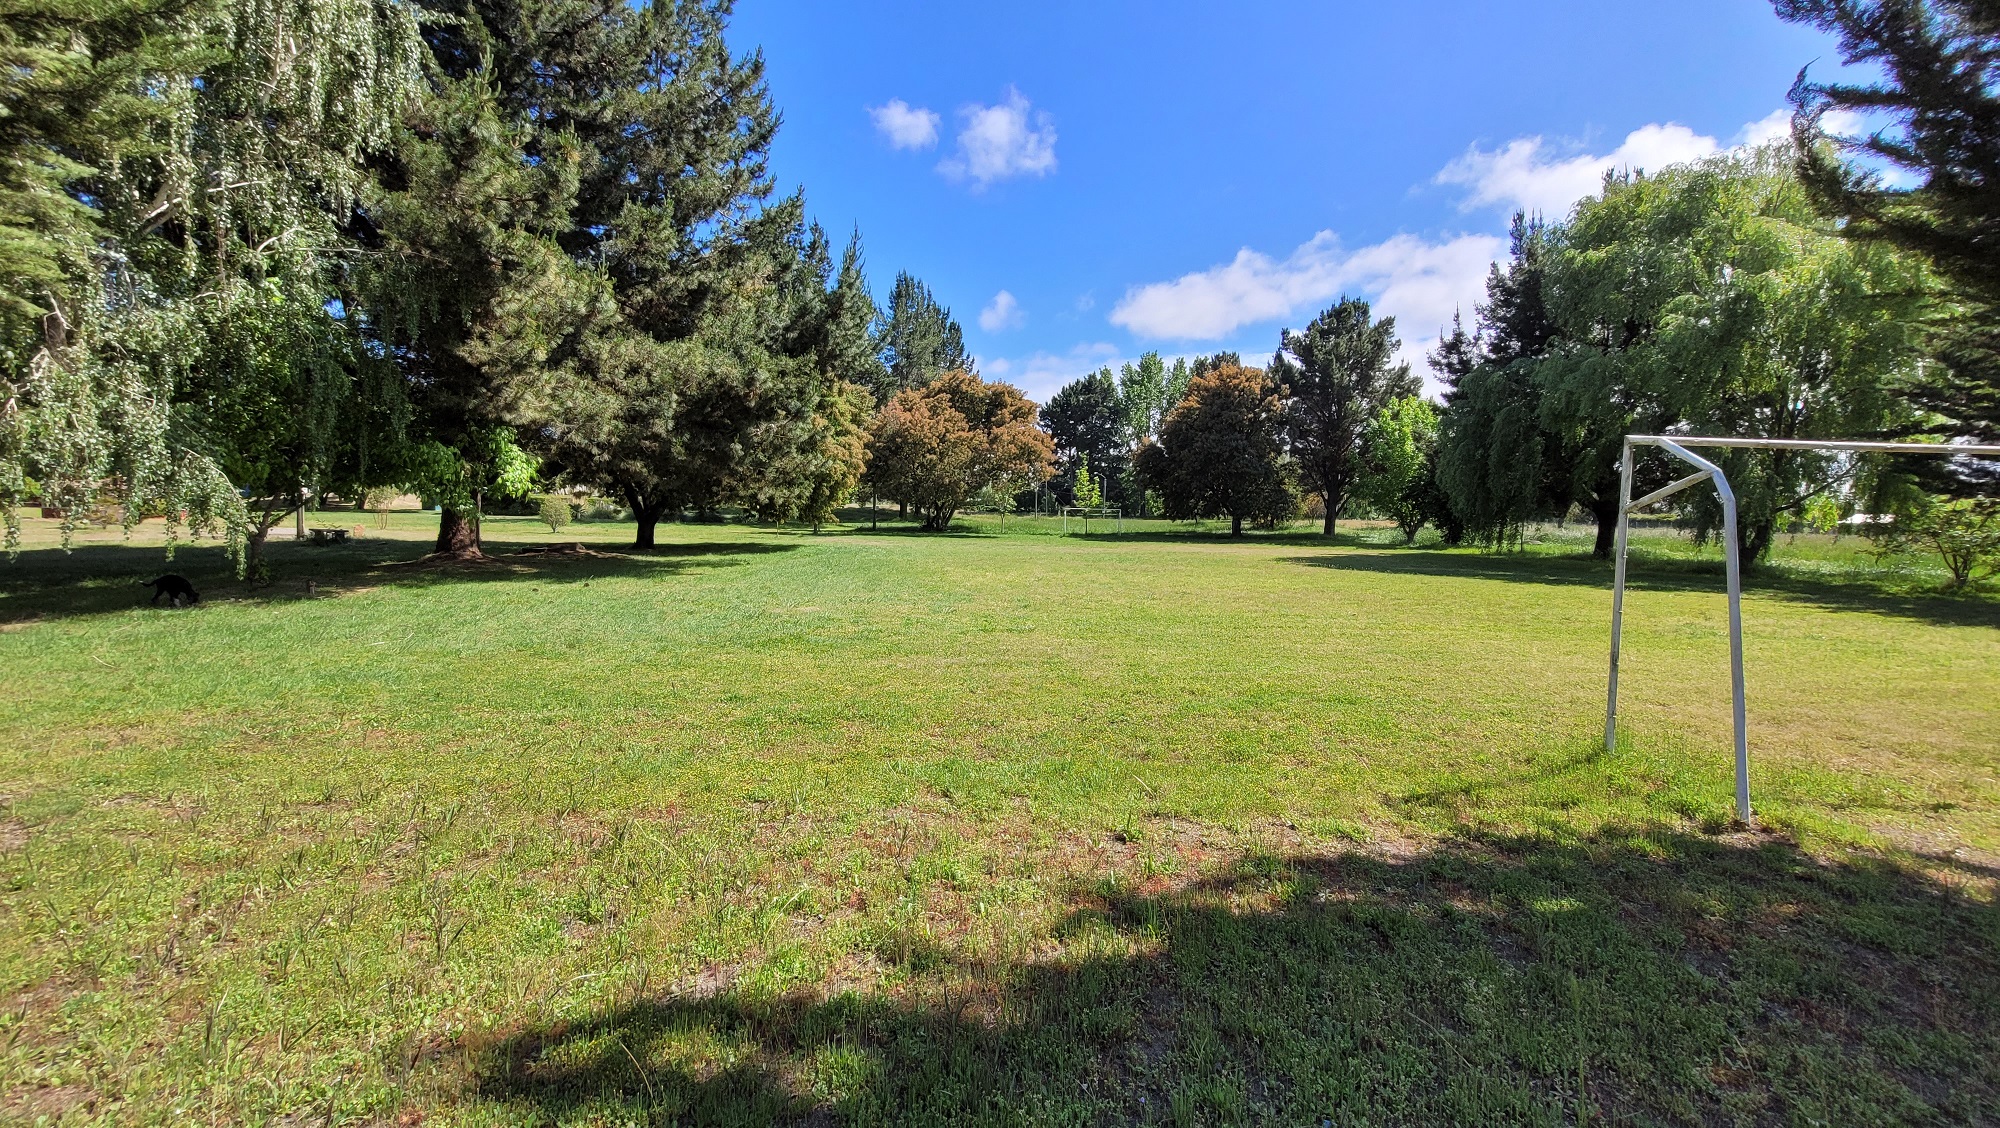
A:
[258,253]
[1785,292]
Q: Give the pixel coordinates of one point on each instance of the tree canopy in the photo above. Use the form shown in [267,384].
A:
[1219,451]
[937,445]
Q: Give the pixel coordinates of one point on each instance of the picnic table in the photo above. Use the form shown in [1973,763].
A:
[322,534]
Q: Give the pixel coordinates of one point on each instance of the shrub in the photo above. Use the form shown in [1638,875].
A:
[553,511]
[1964,533]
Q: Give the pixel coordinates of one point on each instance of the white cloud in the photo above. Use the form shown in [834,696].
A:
[1525,174]
[905,126]
[1419,282]
[1774,126]
[1000,141]
[1040,375]
[1003,312]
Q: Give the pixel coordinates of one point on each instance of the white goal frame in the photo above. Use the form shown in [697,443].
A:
[1677,445]
[1102,513]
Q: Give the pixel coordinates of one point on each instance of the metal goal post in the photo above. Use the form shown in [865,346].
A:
[1706,471]
[1102,513]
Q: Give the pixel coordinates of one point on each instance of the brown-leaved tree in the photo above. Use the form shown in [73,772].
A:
[934,447]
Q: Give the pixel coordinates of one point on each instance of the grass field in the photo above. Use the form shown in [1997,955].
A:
[1002,827]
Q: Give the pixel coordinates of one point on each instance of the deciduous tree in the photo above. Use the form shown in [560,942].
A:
[938,445]
[1220,451]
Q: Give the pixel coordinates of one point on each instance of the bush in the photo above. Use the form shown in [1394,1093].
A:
[553,511]
[1965,534]
[599,509]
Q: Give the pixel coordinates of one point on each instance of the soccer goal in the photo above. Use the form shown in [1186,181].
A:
[1079,513]
[1706,471]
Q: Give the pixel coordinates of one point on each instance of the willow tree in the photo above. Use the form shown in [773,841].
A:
[208,186]
[1715,298]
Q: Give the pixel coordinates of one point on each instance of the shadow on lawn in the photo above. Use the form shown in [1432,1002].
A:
[1644,975]
[101,579]
[1661,575]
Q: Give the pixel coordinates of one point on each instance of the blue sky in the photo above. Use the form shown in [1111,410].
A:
[1084,182]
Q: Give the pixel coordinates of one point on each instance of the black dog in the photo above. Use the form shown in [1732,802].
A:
[177,589]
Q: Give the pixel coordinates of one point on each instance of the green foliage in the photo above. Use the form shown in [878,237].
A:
[1089,493]
[171,333]
[919,339]
[1715,298]
[1934,113]
[1710,298]
[1821,513]
[1335,377]
[553,510]
[1963,533]
[1502,459]
[488,464]
[1142,397]
[1086,419]
[1220,453]
[1398,448]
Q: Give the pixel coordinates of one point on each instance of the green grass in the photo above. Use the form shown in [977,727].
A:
[1003,827]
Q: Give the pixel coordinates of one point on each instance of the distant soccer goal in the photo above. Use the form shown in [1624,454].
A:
[1078,513]
[1706,471]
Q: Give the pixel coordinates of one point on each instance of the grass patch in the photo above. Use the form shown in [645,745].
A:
[996,827]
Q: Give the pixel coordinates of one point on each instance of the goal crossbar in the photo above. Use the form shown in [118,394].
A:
[1706,471]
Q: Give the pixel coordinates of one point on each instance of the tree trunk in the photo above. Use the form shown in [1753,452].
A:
[457,536]
[1753,540]
[648,519]
[1605,509]
[1235,525]
[1326,530]
[253,551]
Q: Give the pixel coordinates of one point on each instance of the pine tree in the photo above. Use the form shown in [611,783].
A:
[1335,377]
[1937,59]
[919,339]
[1086,421]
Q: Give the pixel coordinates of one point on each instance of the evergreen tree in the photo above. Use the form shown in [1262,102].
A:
[1086,421]
[602,276]
[1335,377]
[919,339]
[1499,459]
[1936,59]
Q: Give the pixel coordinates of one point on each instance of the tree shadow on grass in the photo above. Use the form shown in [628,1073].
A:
[1662,575]
[1640,975]
[105,579]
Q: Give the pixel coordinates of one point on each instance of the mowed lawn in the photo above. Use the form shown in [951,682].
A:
[1008,827]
